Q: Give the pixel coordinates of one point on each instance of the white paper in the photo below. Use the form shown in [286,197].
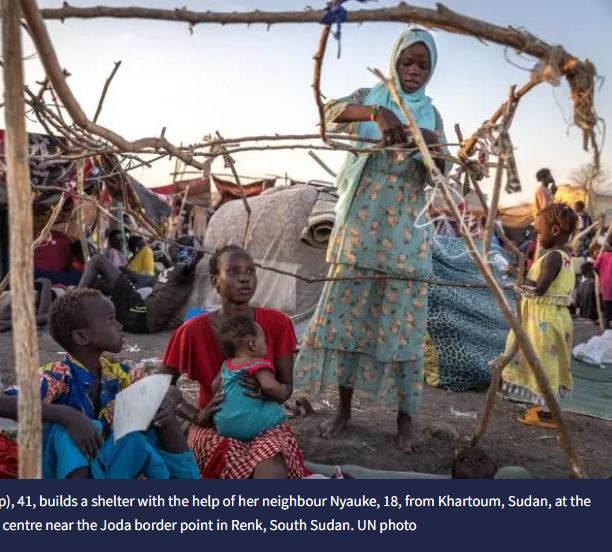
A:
[136,406]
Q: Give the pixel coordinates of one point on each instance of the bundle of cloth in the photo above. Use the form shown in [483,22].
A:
[466,328]
[321,220]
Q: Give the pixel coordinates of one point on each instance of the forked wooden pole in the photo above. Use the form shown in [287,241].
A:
[21,230]
[498,366]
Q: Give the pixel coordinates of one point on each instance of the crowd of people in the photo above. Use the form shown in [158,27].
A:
[366,334]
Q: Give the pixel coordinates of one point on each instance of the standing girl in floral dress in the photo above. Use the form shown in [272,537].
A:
[368,334]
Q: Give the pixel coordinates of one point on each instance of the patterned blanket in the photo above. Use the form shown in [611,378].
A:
[466,325]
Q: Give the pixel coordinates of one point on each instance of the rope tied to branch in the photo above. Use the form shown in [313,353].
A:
[336,14]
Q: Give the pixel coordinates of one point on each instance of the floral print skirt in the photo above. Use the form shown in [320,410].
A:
[368,335]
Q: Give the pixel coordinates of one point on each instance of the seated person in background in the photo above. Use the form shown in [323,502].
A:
[141,269]
[244,416]
[473,463]
[78,395]
[585,293]
[115,248]
[44,296]
[143,259]
[78,261]
[53,261]
[138,315]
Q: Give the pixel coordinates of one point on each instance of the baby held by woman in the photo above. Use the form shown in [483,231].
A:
[244,415]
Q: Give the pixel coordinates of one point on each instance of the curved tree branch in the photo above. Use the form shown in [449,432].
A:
[50,62]
[440,18]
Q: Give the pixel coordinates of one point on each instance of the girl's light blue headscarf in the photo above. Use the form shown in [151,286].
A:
[417,102]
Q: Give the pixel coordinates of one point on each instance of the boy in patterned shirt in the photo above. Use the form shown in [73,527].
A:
[78,396]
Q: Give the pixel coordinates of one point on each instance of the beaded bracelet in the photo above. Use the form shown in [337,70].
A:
[374,113]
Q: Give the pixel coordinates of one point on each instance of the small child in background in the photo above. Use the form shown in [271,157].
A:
[603,267]
[545,316]
[585,293]
[241,415]
[473,463]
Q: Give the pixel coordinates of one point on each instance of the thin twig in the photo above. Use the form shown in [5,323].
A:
[105,90]
[316,82]
[230,162]
[218,153]
[490,220]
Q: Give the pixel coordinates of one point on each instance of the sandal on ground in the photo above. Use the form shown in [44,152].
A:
[532,417]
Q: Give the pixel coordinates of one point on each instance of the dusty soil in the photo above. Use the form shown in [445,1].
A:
[370,439]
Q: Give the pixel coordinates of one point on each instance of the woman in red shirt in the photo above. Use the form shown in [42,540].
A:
[195,351]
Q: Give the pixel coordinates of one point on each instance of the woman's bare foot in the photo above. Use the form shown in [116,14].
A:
[332,428]
[408,440]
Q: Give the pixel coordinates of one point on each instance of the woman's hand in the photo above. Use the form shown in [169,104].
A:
[253,389]
[204,417]
[392,130]
[83,432]
[429,136]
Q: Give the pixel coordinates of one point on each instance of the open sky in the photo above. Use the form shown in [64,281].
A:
[249,81]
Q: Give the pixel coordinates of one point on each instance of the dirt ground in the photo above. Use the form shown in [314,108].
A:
[370,439]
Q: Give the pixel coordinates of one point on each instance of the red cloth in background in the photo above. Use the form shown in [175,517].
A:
[9,465]
[603,265]
[55,255]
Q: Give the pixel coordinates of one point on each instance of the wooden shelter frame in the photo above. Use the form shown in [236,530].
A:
[87,138]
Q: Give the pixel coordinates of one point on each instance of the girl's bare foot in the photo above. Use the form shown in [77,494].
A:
[332,428]
[408,440]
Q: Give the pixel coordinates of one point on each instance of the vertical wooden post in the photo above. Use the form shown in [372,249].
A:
[489,230]
[21,231]
[99,230]
[80,218]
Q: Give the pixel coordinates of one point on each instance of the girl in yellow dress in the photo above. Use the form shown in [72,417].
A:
[545,317]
